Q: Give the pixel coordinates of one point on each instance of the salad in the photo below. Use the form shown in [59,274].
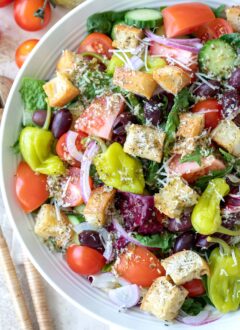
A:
[130,159]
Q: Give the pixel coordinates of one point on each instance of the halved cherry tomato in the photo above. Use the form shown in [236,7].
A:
[212,110]
[31,188]
[97,43]
[24,14]
[73,195]
[139,266]
[24,50]
[214,29]
[84,260]
[195,288]
[62,151]
[4,3]
[184,18]
[99,117]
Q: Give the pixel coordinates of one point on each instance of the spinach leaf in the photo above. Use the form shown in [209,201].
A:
[33,97]
[163,241]
[195,156]
[181,103]
[232,38]
[219,11]
[103,22]
[194,306]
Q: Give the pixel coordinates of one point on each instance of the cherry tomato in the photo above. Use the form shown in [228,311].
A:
[212,110]
[195,288]
[24,14]
[214,29]
[97,43]
[84,260]
[24,50]
[139,266]
[31,188]
[73,195]
[4,3]
[61,148]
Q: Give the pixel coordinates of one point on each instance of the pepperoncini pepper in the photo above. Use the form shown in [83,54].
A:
[224,280]
[206,216]
[119,170]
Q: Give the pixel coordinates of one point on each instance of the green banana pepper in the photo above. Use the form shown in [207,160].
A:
[206,216]
[119,170]
[35,146]
[224,281]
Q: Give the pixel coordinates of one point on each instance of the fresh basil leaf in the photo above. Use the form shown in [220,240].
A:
[204,180]
[194,306]
[163,241]
[219,12]
[232,38]
[195,156]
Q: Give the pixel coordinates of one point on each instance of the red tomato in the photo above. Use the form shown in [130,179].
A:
[214,29]
[191,171]
[31,188]
[73,195]
[97,43]
[61,148]
[212,110]
[84,260]
[195,288]
[24,14]
[184,18]
[4,3]
[99,117]
[139,266]
[24,50]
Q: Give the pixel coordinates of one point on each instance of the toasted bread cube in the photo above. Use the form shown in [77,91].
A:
[171,78]
[164,299]
[96,209]
[50,224]
[127,37]
[184,266]
[60,90]
[66,63]
[227,135]
[233,17]
[191,124]
[145,142]
[175,197]
[137,82]
[185,146]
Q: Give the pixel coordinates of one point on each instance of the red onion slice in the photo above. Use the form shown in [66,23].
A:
[87,159]
[136,63]
[71,146]
[125,297]
[194,320]
[122,232]
[104,281]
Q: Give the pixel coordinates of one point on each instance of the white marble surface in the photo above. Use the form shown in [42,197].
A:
[65,316]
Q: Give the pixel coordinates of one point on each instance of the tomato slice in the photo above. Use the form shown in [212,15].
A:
[99,117]
[61,148]
[84,260]
[214,29]
[31,188]
[139,266]
[212,110]
[97,43]
[195,288]
[184,18]
[73,195]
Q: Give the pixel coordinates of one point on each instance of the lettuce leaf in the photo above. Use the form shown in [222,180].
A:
[163,241]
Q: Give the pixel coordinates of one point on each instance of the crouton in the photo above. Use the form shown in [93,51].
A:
[233,17]
[127,37]
[145,142]
[191,124]
[175,197]
[184,266]
[164,299]
[138,82]
[97,206]
[66,63]
[227,135]
[171,78]
[185,146]
[49,224]
[60,90]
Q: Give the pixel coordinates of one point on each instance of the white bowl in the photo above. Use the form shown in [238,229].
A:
[67,34]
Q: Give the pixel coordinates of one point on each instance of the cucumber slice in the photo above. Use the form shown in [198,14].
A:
[113,36]
[144,18]
[76,219]
[217,58]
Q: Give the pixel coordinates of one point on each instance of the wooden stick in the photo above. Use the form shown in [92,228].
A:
[14,285]
[38,296]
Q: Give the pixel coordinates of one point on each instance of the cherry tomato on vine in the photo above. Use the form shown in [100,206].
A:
[4,3]
[97,43]
[24,11]
[24,50]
